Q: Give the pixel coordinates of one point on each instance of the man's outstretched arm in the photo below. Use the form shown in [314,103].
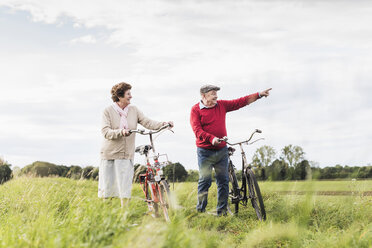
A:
[235,104]
[264,93]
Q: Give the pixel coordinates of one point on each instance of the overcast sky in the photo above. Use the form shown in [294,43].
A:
[59,60]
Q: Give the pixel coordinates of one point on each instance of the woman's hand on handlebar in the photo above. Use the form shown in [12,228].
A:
[170,123]
[126,132]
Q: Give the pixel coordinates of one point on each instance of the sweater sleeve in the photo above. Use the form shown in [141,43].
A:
[148,123]
[231,105]
[106,130]
[197,127]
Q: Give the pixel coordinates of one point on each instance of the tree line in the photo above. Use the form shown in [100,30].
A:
[46,169]
[290,165]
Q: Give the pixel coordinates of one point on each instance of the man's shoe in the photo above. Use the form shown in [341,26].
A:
[223,213]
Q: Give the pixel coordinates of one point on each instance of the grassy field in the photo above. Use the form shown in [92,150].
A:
[59,212]
[318,186]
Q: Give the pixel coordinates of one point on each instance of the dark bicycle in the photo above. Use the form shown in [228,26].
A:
[249,189]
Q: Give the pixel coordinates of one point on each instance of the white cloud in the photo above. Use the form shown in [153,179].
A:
[315,55]
[88,39]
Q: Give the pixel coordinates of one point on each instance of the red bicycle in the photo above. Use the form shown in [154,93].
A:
[153,182]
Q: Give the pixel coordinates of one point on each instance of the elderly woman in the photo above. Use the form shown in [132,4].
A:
[116,169]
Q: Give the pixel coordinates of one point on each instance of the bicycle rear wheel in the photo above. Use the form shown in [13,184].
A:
[234,187]
[165,201]
[255,195]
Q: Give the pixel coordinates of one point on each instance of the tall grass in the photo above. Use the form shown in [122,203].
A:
[59,212]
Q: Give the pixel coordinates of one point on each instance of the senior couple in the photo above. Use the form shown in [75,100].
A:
[208,123]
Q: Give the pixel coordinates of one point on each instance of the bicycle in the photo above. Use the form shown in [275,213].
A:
[153,182]
[249,189]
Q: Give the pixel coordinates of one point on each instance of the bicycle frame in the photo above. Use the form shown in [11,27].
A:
[153,183]
[243,199]
[152,176]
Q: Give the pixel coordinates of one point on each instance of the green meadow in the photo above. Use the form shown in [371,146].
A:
[60,212]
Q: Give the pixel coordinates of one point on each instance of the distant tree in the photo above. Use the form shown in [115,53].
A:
[5,171]
[292,155]
[192,176]
[339,171]
[278,170]
[290,174]
[364,172]
[180,173]
[41,169]
[261,159]
[263,156]
[63,170]
[369,172]
[95,173]
[316,173]
[87,172]
[74,172]
[301,170]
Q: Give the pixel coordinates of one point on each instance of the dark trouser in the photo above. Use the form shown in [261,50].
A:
[219,160]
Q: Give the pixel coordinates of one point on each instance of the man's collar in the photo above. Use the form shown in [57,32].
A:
[201,105]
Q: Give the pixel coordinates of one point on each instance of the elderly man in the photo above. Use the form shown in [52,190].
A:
[208,123]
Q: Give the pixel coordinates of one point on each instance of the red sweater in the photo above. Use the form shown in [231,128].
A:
[208,123]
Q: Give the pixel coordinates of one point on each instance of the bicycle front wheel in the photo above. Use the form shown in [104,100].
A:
[151,199]
[165,201]
[255,195]
[234,187]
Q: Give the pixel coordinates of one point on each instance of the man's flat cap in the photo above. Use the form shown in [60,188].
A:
[208,87]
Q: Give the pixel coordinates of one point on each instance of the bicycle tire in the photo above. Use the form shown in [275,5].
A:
[254,194]
[235,194]
[165,201]
[152,205]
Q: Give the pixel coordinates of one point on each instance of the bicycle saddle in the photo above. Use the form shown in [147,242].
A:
[144,149]
[231,150]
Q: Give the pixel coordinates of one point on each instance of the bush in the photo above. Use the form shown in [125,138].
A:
[41,169]
[95,173]
[75,172]
[62,170]
[5,173]
[87,172]
[180,173]
[192,176]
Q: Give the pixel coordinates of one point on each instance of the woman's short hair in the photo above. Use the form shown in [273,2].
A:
[118,90]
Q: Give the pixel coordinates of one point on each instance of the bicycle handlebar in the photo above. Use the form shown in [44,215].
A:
[242,142]
[143,132]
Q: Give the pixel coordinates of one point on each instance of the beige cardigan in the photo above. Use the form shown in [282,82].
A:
[115,145]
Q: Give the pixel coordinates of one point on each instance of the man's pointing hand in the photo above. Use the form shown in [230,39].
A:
[265,93]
